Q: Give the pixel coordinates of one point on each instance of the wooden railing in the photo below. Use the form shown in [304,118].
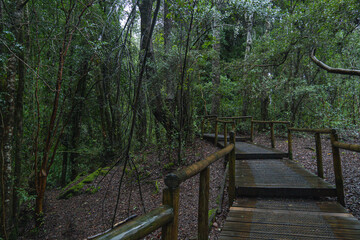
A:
[318,148]
[217,121]
[339,182]
[336,146]
[238,119]
[166,216]
[206,118]
[272,132]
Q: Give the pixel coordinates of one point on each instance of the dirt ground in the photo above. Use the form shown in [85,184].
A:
[85,215]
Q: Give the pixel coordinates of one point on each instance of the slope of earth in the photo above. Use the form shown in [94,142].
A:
[304,153]
[85,215]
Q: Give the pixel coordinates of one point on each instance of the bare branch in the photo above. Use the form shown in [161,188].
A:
[352,72]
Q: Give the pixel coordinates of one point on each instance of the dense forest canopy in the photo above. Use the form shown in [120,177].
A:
[87,83]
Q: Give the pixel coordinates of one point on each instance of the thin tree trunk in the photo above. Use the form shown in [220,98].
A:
[7,147]
[18,130]
[13,105]
[215,104]
[249,19]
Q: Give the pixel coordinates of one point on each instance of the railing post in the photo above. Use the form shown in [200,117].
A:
[171,198]
[319,161]
[252,130]
[225,135]
[337,169]
[290,144]
[216,132]
[232,158]
[203,217]
[272,135]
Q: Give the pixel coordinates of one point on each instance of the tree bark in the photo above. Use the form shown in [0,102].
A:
[18,130]
[249,19]
[7,147]
[215,103]
[10,123]
[145,7]
[78,106]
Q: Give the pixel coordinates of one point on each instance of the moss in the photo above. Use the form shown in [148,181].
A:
[74,181]
[76,189]
[92,189]
[211,212]
[211,216]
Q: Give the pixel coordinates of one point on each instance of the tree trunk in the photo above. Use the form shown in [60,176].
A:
[7,147]
[145,7]
[11,123]
[52,135]
[18,130]
[215,103]
[78,109]
[264,104]
[249,19]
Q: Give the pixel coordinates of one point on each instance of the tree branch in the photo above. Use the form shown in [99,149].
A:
[331,69]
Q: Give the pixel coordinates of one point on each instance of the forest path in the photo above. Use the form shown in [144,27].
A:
[276,200]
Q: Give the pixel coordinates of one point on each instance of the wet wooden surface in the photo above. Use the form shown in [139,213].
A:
[289,207]
[247,150]
[289,219]
[278,178]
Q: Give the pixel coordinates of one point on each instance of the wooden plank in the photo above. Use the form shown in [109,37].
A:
[290,204]
[252,218]
[278,178]
[284,192]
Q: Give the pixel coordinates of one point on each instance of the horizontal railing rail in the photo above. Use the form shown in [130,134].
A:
[279,122]
[236,118]
[141,226]
[346,146]
[310,130]
[173,180]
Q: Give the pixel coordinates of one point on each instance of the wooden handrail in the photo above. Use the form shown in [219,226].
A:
[235,118]
[210,116]
[281,122]
[206,118]
[324,131]
[319,159]
[224,121]
[173,180]
[272,133]
[141,226]
[347,146]
[166,216]
[335,144]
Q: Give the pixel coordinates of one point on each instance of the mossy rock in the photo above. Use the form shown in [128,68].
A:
[76,189]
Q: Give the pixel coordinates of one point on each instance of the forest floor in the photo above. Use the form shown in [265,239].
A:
[85,215]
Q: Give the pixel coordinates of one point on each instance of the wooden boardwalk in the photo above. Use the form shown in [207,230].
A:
[279,199]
